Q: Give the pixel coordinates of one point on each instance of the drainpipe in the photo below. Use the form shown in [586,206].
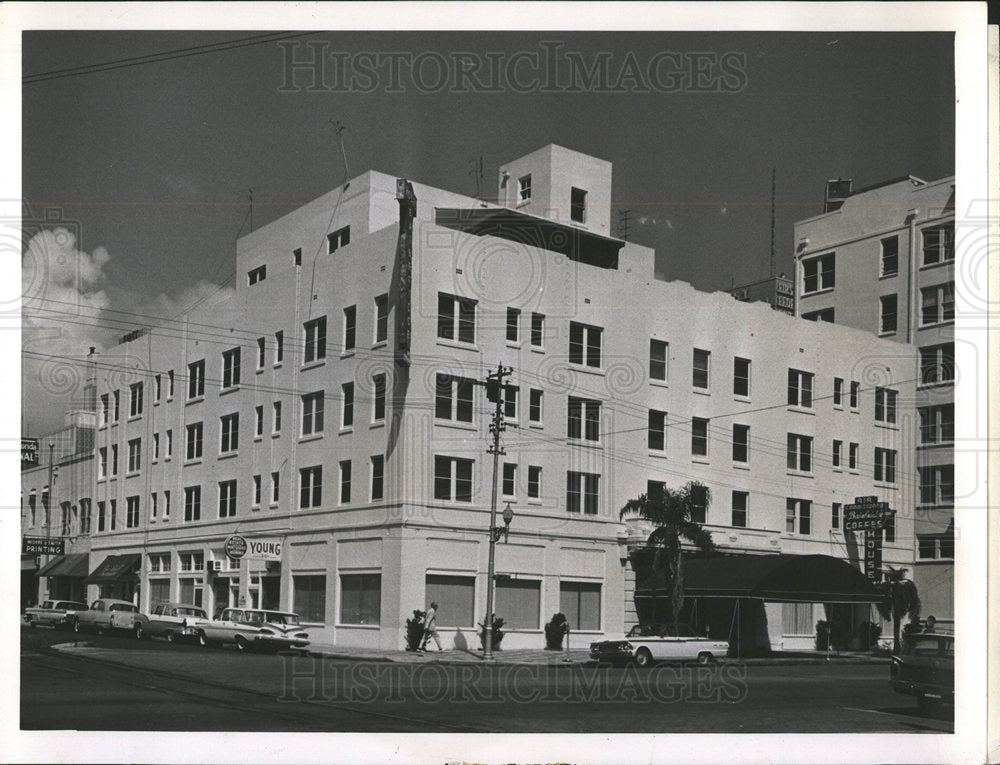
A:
[911,279]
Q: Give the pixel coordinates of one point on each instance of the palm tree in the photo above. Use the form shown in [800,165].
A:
[671,512]
[900,599]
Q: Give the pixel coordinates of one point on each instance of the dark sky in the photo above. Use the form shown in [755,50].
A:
[154,160]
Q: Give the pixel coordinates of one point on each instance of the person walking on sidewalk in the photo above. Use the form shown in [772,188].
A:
[430,628]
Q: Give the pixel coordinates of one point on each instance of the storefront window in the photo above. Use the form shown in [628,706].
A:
[518,602]
[456,596]
[581,602]
[310,598]
[360,598]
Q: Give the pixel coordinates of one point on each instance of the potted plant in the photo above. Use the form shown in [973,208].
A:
[415,630]
[555,631]
[497,633]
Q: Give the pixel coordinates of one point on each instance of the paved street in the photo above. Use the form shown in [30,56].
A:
[121,684]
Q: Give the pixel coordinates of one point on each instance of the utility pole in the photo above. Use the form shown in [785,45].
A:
[494,392]
[48,505]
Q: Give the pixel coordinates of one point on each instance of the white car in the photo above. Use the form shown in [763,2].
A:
[259,628]
[54,613]
[644,645]
[108,614]
[174,621]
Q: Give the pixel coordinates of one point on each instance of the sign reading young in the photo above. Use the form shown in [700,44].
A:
[257,548]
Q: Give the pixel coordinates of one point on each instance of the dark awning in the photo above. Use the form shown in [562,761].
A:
[74,564]
[777,578]
[114,568]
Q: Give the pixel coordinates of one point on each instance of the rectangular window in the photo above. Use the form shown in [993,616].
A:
[452,479]
[279,346]
[458,592]
[937,304]
[378,408]
[350,327]
[520,601]
[510,402]
[311,486]
[256,275]
[887,313]
[819,273]
[231,368]
[838,391]
[937,424]
[157,388]
[102,462]
[261,352]
[132,512]
[345,481]
[275,487]
[360,598]
[456,318]
[889,532]
[584,419]
[309,597]
[535,406]
[937,363]
[170,444]
[135,400]
[800,388]
[582,492]
[885,405]
[855,394]
[113,513]
[134,455]
[166,505]
[170,384]
[194,434]
[192,503]
[699,504]
[378,477]
[381,319]
[797,619]
[196,379]
[654,490]
[513,325]
[315,336]
[347,405]
[577,205]
[524,188]
[117,396]
[114,459]
[339,238]
[258,413]
[100,516]
[453,398]
[229,432]
[937,485]
[835,515]
[890,256]
[581,603]
[885,465]
[156,446]
[534,481]
[740,508]
[85,511]
[799,452]
[699,436]
[852,456]
[152,506]
[509,481]
[658,360]
[798,516]
[938,244]
[700,368]
[741,443]
[585,345]
[256,490]
[227,499]
[838,453]
[537,330]
[656,434]
[276,417]
[312,413]
[105,409]
[741,377]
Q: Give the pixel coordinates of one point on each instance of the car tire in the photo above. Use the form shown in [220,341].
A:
[241,643]
[643,658]
[138,631]
[202,638]
[704,659]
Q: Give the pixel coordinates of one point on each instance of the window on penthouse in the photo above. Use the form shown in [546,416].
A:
[937,424]
[887,314]
[452,479]
[577,205]
[583,420]
[312,413]
[256,275]
[231,368]
[938,244]
[311,486]
[585,345]
[800,388]
[229,433]
[885,465]
[799,453]
[582,492]
[937,304]
[524,189]
[315,340]
[339,238]
[937,364]
[135,400]
[196,379]
[456,318]
[885,405]
[819,274]
[890,256]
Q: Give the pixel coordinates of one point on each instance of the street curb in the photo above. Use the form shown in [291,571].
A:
[70,647]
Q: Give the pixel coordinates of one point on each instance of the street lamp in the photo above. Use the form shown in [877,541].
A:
[495,533]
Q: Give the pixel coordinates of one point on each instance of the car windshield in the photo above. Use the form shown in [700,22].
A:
[122,607]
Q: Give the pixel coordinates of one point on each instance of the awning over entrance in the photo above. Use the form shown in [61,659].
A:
[73,564]
[114,568]
[777,578]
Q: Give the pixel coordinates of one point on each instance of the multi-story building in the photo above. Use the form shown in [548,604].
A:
[333,410]
[882,260]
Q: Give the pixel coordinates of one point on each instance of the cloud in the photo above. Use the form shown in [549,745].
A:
[724,211]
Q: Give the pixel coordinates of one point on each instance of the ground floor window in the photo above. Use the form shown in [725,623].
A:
[159,591]
[360,598]
[310,597]
[581,603]
[797,618]
[456,599]
[191,591]
[518,602]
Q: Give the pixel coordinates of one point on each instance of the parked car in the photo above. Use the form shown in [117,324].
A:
[645,644]
[257,628]
[54,613]
[108,614]
[926,669]
[174,621]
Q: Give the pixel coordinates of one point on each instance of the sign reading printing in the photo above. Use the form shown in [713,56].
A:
[43,545]
[236,547]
